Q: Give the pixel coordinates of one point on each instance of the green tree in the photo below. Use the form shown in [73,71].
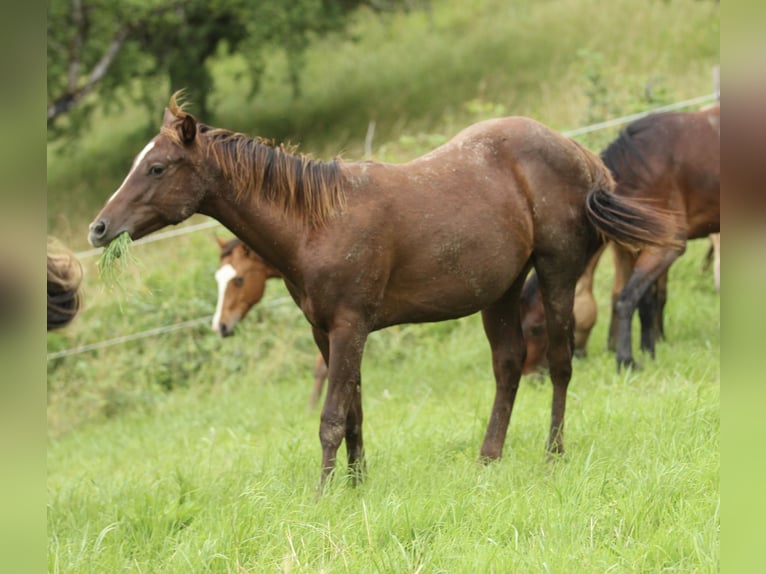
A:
[118,48]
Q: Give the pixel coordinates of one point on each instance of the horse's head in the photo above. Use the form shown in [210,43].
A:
[533,326]
[164,186]
[241,278]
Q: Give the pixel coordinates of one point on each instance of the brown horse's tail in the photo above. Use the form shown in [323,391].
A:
[631,222]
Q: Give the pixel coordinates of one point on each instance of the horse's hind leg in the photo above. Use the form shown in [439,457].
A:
[649,266]
[557,283]
[650,311]
[624,261]
[502,325]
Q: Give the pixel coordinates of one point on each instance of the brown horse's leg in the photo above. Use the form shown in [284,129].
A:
[624,261]
[502,325]
[651,263]
[650,312]
[648,315]
[557,287]
[662,298]
[342,412]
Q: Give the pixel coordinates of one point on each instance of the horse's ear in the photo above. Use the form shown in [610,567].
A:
[168,118]
[221,242]
[187,129]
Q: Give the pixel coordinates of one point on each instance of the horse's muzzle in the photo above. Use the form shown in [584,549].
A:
[97,232]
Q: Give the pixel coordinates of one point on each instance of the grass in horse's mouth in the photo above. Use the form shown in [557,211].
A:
[109,264]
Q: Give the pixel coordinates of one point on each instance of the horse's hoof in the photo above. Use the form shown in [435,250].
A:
[628,363]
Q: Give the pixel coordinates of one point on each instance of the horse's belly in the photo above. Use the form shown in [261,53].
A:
[438,296]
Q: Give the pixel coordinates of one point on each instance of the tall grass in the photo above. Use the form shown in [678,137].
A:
[190,453]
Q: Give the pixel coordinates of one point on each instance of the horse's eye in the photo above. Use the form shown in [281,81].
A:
[156,169]
[238,281]
[538,330]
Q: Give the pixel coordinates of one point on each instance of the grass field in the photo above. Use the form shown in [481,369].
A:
[184,452]
[188,453]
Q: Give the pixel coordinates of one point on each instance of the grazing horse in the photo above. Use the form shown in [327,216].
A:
[533,317]
[241,278]
[365,245]
[672,160]
[64,279]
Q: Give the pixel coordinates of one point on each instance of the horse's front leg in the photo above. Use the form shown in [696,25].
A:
[342,412]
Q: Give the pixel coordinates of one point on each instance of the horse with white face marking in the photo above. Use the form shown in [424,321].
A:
[241,278]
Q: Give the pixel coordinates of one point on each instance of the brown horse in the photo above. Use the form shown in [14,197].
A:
[672,159]
[241,278]
[586,312]
[365,245]
[64,279]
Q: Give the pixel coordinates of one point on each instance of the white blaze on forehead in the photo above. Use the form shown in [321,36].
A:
[139,158]
[225,274]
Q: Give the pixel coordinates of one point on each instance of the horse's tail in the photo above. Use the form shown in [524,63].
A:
[631,222]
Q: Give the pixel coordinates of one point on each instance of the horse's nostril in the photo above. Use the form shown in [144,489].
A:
[98,228]
[224,330]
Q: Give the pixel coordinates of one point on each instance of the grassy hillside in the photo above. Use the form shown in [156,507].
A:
[184,452]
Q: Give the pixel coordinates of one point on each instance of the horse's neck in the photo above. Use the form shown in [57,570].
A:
[263,227]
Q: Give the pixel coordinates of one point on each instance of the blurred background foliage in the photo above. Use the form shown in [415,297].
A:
[95,45]
[323,73]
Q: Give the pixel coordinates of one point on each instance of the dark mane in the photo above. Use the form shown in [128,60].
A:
[626,156]
[229,247]
[305,187]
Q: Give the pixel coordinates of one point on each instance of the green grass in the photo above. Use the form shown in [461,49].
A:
[190,453]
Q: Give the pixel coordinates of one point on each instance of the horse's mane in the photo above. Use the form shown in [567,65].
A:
[626,155]
[305,187]
[64,278]
[230,246]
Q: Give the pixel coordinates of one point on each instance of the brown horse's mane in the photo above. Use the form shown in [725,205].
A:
[626,157]
[305,187]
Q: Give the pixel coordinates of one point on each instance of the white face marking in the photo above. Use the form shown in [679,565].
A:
[139,158]
[225,274]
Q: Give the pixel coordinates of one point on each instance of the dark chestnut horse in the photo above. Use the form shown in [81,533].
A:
[64,279]
[365,245]
[673,160]
[241,278]
[586,312]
